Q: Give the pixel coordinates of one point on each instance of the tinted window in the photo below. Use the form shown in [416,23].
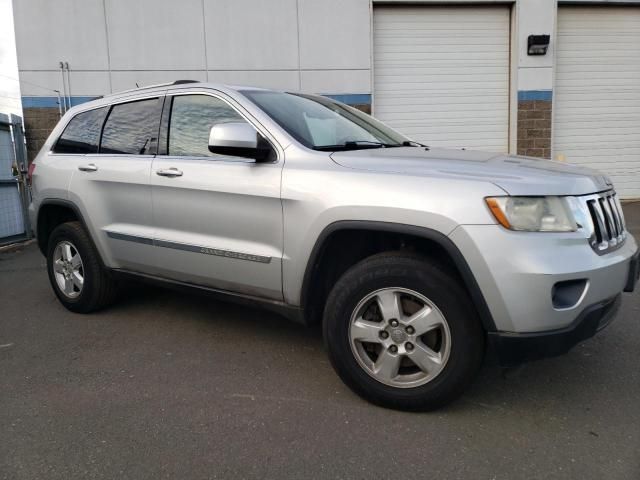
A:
[82,134]
[131,128]
[192,117]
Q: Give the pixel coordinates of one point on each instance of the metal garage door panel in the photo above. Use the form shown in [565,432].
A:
[597,92]
[441,75]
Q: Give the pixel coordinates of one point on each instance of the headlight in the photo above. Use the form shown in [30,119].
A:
[533,214]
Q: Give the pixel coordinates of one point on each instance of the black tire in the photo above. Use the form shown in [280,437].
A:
[442,288]
[99,289]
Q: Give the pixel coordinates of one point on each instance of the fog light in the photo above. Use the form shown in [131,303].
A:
[568,294]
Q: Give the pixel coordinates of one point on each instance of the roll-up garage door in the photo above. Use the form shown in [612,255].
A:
[597,92]
[441,74]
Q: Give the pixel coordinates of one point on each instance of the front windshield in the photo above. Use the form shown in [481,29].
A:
[323,124]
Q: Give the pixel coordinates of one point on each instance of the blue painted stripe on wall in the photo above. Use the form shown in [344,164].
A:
[352,98]
[51,102]
[348,98]
[535,95]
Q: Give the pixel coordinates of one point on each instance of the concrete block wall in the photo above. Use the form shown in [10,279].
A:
[38,123]
[534,128]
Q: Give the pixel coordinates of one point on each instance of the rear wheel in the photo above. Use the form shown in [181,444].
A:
[76,274]
[402,332]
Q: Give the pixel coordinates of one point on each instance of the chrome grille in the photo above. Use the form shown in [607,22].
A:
[607,227]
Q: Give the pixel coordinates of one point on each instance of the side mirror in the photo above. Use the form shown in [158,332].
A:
[238,140]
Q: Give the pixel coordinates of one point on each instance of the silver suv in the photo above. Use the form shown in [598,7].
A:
[418,261]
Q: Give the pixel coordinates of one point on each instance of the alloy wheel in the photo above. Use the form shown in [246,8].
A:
[68,269]
[399,337]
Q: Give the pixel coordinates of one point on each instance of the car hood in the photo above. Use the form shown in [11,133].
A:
[515,174]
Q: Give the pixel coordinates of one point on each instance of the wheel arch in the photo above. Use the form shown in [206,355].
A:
[444,243]
[53,212]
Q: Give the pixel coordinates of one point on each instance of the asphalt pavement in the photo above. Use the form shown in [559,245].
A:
[172,385]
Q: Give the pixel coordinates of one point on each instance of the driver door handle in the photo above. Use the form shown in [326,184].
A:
[169,172]
[88,168]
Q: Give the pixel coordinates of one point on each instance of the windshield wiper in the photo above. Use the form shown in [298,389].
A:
[356,145]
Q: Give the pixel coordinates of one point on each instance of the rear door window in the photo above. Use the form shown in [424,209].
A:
[82,134]
[131,128]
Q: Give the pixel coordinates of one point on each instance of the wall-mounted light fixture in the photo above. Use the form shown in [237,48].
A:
[538,44]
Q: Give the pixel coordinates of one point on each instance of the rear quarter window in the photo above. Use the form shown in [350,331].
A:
[82,133]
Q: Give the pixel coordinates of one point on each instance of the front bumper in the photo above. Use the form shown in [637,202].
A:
[519,274]
[515,348]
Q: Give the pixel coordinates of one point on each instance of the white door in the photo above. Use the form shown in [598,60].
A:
[441,74]
[597,92]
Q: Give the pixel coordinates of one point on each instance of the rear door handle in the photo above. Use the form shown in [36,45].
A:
[88,168]
[169,172]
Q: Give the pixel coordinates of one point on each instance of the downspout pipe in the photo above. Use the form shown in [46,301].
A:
[66,65]
[64,86]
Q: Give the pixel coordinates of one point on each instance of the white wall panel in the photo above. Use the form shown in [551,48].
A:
[128,80]
[334,34]
[50,31]
[285,80]
[533,78]
[319,46]
[153,35]
[336,81]
[597,92]
[251,35]
[536,17]
[82,83]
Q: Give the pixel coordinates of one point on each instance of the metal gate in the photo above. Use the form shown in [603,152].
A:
[14,193]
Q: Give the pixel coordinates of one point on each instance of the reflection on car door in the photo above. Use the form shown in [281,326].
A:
[217,219]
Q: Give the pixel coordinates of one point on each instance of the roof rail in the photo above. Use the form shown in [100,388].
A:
[180,82]
[167,84]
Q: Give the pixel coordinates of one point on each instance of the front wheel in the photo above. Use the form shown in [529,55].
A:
[402,332]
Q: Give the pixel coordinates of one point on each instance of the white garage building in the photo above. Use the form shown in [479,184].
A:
[447,73]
